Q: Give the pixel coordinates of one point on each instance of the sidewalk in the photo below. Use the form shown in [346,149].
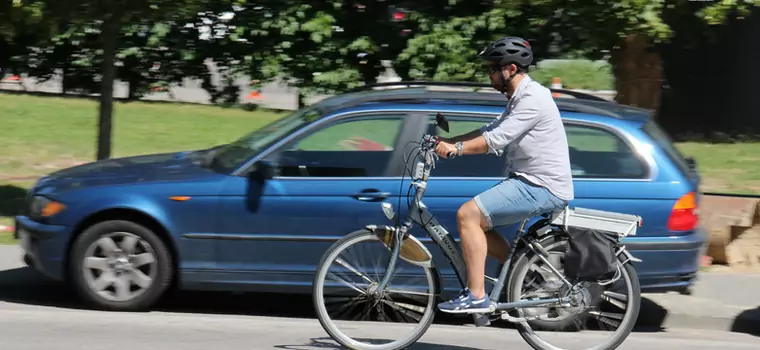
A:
[719,301]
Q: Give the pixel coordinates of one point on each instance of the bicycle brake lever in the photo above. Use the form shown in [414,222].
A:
[436,157]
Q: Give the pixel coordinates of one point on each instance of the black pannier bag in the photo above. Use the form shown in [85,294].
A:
[590,255]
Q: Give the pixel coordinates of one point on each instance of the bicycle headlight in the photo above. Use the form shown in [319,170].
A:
[43,207]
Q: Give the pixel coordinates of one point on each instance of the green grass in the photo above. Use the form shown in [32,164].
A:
[576,74]
[729,168]
[43,134]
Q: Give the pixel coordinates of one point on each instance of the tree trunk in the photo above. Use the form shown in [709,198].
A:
[108,35]
[638,73]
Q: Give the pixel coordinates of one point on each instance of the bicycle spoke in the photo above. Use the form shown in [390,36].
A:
[343,309]
[354,270]
[341,300]
[609,318]
[405,309]
[616,299]
[401,291]
[345,283]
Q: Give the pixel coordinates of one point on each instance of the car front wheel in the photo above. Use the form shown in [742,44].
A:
[120,266]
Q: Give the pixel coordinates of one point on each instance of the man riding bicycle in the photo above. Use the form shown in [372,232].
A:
[538,160]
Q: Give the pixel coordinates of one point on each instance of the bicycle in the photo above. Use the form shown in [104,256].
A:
[540,242]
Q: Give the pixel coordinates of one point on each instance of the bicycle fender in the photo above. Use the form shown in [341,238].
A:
[412,250]
[628,255]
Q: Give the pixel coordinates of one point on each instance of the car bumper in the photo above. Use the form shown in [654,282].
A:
[44,245]
[668,263]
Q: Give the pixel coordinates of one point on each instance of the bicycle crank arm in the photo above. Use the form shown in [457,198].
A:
[530,303]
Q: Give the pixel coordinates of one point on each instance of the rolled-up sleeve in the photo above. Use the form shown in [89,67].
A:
[523,116]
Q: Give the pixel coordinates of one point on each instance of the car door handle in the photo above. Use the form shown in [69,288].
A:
[371,195]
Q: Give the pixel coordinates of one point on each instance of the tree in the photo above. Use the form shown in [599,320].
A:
[111,16]
[21,24]
[630,33]
[451,33]
[327,46]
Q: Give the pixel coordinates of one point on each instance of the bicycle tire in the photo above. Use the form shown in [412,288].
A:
[632,311]
[321,311]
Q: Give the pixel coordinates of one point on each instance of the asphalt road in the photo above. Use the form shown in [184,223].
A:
[39,314]
[43,327]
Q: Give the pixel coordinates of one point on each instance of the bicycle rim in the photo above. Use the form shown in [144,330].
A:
[322,299]
[630,301]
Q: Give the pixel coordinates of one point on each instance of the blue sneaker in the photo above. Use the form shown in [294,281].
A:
[466,303]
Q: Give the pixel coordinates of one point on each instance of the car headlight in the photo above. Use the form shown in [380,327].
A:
[43,207]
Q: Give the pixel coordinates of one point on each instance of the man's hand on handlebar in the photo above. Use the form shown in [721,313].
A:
[445,149]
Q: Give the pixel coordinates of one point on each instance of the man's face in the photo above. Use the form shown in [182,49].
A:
[494,72]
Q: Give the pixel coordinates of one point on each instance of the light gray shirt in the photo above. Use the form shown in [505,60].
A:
[531,132]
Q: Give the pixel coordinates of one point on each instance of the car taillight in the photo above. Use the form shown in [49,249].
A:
[684,217]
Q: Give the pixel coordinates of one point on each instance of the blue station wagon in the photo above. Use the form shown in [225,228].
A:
[121,231]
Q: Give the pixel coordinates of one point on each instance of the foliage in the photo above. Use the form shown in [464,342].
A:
[328,46]
[450,36]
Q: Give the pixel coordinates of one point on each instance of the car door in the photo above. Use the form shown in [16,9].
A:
[329,181]
[455,181]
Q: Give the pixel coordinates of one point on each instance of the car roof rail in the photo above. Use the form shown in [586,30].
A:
[410,83]
[415,95]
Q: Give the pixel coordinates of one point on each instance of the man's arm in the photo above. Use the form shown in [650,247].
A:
[464,137]
[496,136]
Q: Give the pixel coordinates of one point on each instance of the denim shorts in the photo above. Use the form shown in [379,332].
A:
[514,200]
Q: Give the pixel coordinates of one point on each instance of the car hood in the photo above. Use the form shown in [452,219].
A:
[145,168]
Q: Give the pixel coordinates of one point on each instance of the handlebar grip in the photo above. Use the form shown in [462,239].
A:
[451,155]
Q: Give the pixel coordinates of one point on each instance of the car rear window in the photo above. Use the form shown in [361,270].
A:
[662,139]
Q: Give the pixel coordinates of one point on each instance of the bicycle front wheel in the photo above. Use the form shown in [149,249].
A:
[343,284]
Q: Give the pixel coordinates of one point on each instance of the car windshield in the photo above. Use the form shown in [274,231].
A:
[228,157]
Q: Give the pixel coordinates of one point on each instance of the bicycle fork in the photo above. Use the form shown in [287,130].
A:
[398,237]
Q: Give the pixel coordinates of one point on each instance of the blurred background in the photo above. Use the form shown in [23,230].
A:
[86,80]
[223,66]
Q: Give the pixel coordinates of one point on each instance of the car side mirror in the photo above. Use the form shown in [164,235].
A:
[262,171]
[442,122]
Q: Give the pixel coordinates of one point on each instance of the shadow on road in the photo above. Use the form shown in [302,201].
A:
[747,322]
[327,343]
[25,286]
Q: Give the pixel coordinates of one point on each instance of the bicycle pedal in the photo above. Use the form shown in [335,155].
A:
[481,320]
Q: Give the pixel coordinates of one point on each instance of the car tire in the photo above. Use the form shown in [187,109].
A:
[120,266]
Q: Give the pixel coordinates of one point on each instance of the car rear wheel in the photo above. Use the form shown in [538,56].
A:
[120,266]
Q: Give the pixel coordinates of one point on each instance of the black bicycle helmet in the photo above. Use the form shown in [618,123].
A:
[508,50]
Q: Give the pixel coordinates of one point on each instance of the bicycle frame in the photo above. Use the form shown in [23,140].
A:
[420,214]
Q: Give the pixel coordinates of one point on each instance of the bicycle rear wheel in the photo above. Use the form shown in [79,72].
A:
[612,308]
[402,301]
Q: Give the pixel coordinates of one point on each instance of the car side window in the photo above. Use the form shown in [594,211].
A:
[480,165]
[599,153]
[359,146]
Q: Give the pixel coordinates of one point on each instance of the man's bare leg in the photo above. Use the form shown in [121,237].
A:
[471,222]
[497,246]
